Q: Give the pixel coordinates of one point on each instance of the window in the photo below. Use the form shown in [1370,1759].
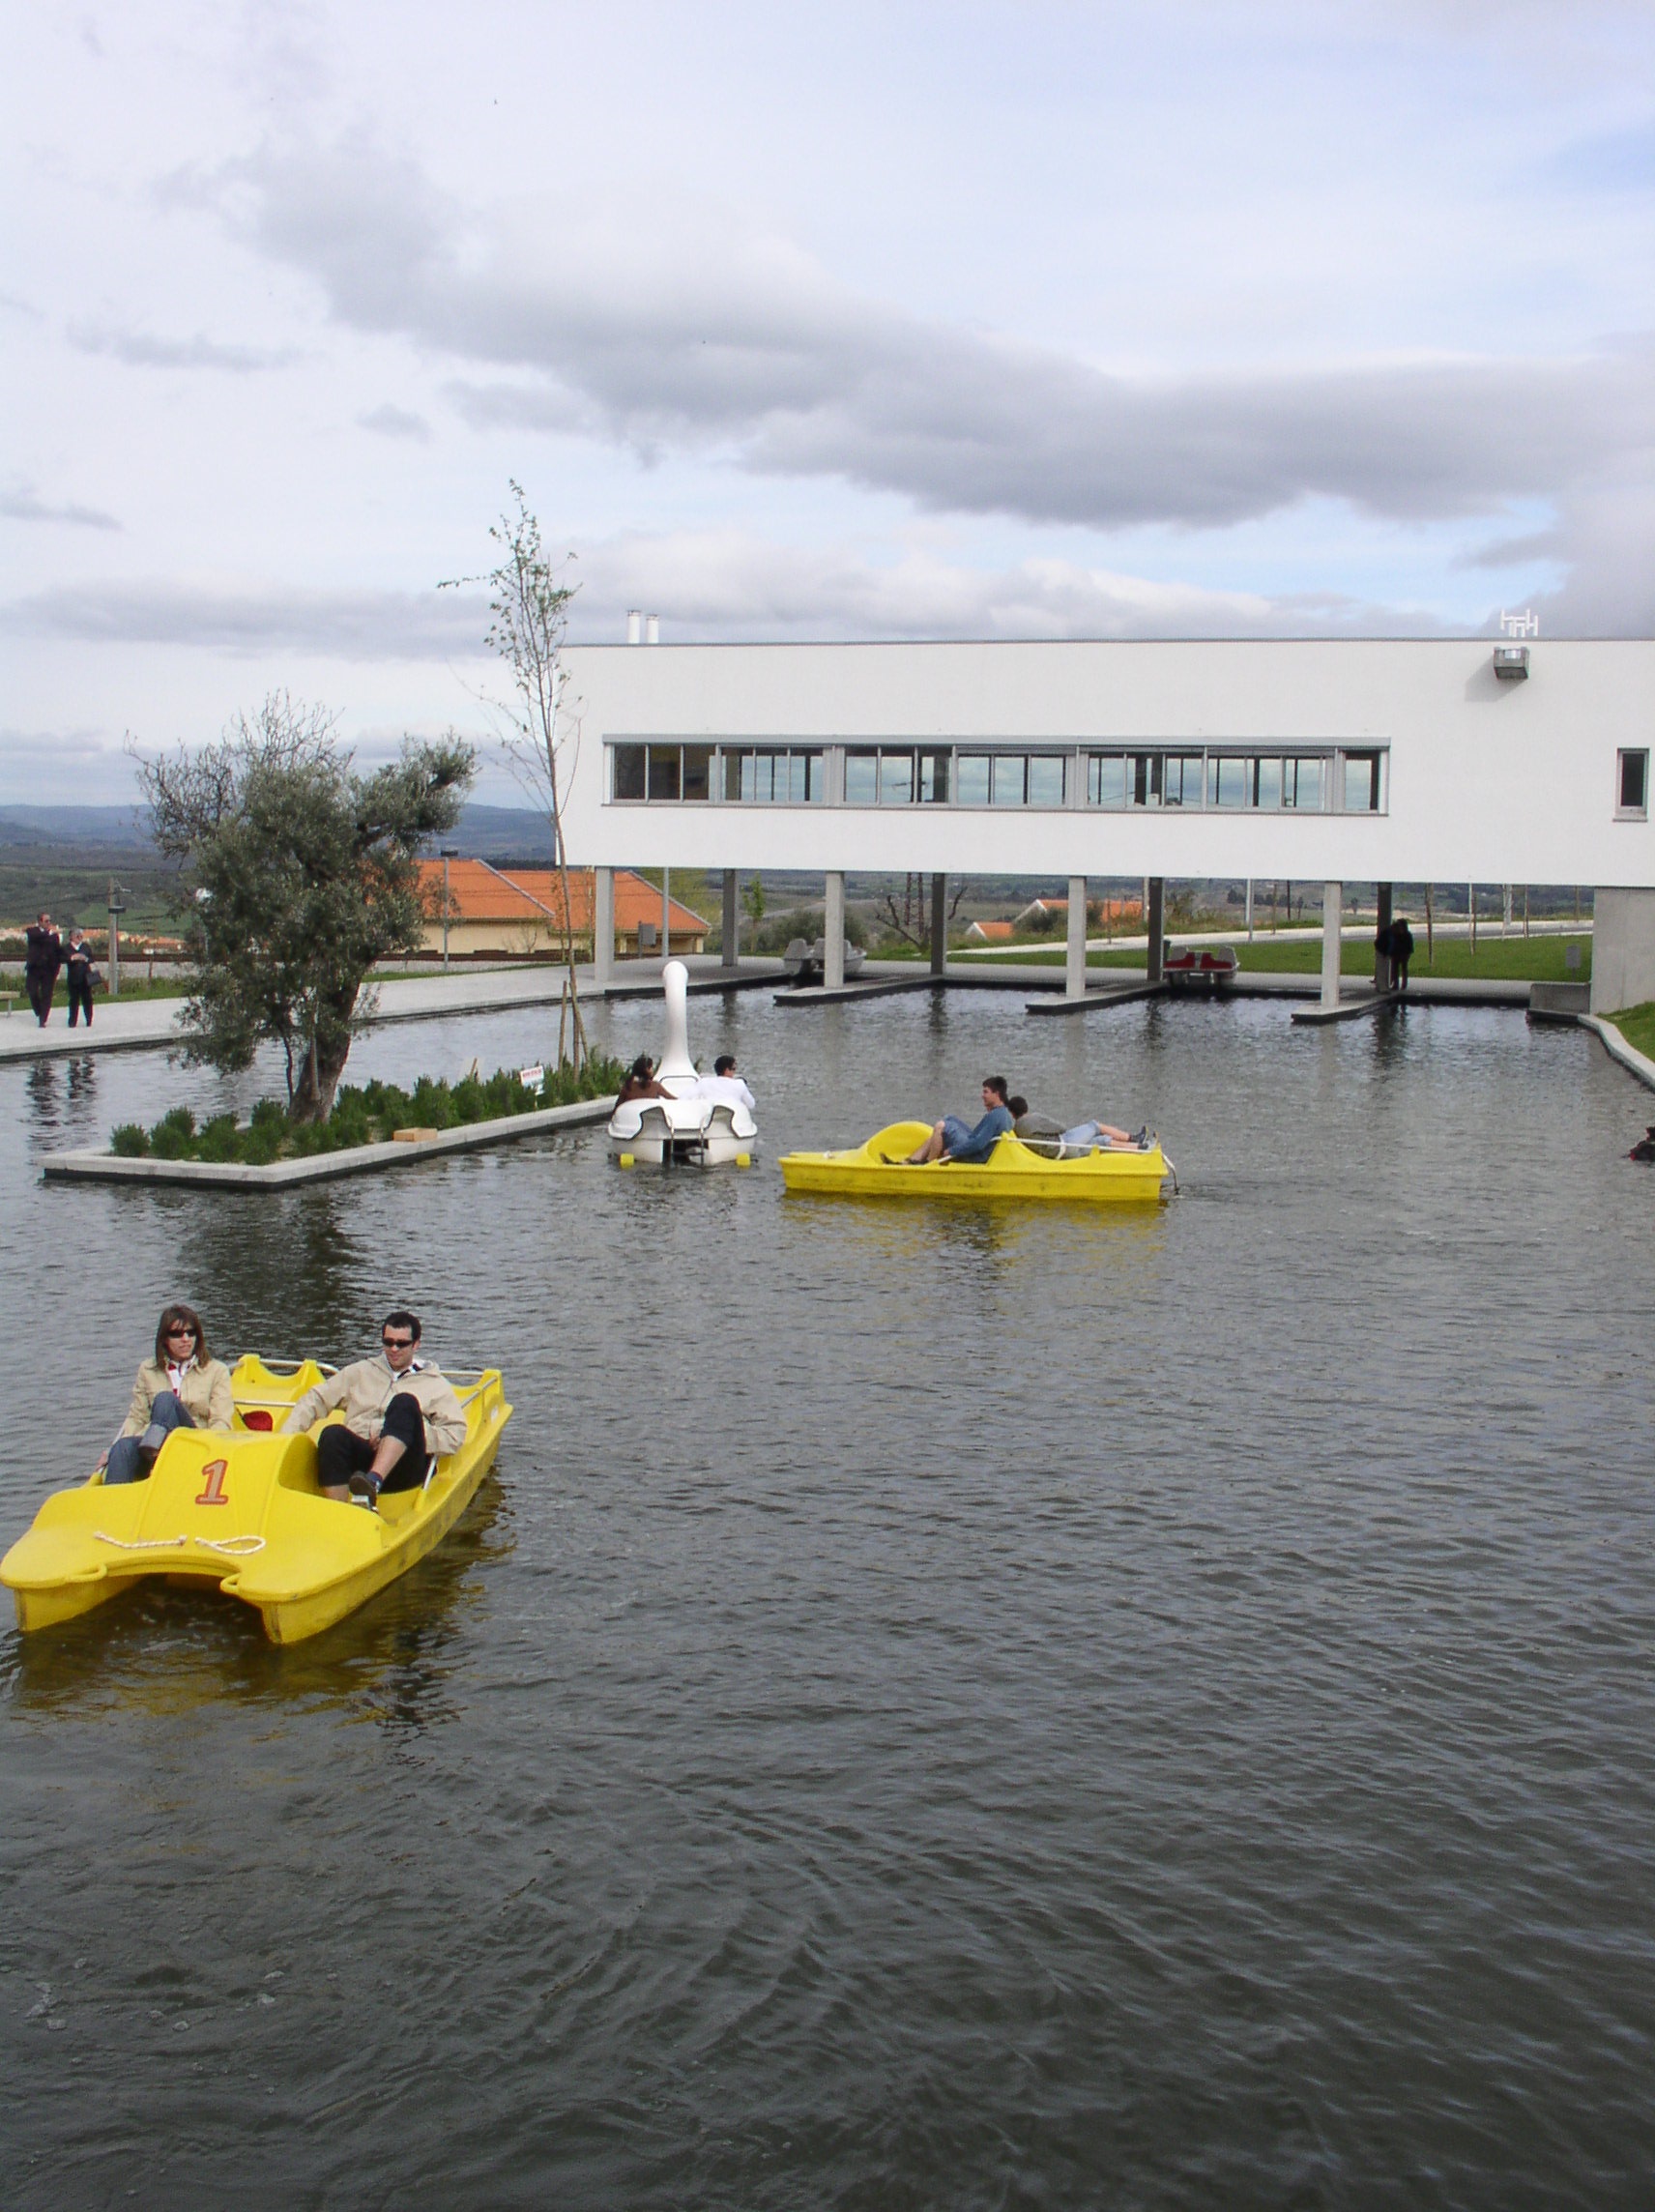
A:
[698,771]
[1143,780]
[1181,779]
[934,778]
[629,771]
[1106,779]
[1229,781]
[664,763]
[861,780]
[1046,780]
[973,779]
[1632,784]
[896,779]
[1361,783]
[1302,783]
[772,777]
[1009,769]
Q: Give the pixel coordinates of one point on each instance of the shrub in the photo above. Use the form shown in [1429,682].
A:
[128,1141]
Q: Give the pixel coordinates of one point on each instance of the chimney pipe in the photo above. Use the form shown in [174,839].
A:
[652,629]
[634,627]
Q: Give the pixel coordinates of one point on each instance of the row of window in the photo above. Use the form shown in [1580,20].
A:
[945,775]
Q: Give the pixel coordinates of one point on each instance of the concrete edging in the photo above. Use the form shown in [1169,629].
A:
[327,1167]
[1615,1045]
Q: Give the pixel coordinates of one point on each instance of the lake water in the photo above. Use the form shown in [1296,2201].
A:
[939,1706]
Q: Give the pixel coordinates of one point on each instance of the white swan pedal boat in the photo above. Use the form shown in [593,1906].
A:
[682,1129]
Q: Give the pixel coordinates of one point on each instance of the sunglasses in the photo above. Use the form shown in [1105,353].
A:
[182,1330]
[397,1343]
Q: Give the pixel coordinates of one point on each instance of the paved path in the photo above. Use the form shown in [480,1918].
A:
[149,1025]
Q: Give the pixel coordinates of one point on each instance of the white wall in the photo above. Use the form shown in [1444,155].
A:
[1489,780]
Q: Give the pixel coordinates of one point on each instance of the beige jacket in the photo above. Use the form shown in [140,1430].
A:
[205,1395]
[365,1389]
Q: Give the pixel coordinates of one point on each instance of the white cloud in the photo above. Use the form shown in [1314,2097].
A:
[676,338]
[20,502]
[342,625]
[137,349]
[388,422]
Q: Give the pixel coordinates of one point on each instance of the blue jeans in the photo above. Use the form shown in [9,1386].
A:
[130,1458]
[955,1132]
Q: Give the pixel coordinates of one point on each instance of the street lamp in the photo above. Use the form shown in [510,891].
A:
[449,853]
[203,900]
[117,907]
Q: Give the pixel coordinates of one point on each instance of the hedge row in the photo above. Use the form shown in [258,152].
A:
[368,1115]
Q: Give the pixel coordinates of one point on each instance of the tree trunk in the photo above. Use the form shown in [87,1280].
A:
[326,1055]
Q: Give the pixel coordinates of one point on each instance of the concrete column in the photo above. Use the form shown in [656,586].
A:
[1332,940]
[1623,949]
[666,914]
[1074,967]
[731,920]
[603,928]
[1156,922]
[939,924]
[833,931]
[1382,965]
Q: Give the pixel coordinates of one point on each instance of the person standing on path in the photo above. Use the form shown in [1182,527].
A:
[42,957]
[1402,952]
[78,960]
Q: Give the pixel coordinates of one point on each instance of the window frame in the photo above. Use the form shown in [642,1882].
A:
[1624,755]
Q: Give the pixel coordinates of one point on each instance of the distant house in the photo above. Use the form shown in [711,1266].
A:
[1055,910]
[989,933]
[517,915]
[1041,911]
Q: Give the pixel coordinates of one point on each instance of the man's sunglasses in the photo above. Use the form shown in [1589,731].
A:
[397,1343]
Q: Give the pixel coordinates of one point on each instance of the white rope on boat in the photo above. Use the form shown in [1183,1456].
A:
[232,1547]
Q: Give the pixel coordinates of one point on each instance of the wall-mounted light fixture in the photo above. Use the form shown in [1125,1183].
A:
[1511,661]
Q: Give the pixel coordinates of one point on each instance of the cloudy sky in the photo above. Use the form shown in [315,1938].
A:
[901,320]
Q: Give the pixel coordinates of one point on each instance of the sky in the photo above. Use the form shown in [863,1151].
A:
[1030,319]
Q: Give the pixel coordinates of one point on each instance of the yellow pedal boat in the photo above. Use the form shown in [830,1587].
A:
[242,1508]
[879,1169]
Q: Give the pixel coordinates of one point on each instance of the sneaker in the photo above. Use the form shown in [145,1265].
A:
[1141,1139]
[364,1490]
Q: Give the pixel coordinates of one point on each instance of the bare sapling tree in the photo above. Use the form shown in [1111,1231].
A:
[539,730]
[911,921]
[302,875]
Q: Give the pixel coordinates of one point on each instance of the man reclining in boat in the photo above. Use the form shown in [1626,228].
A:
[724,1086]
[399,1409]
[952,1139]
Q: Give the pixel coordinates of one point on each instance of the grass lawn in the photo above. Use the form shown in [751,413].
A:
[1502,959]
[1638,1026]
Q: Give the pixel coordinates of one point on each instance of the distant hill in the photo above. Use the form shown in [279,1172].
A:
[99,826]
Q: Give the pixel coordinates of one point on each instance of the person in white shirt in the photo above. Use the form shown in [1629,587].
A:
[724,1087]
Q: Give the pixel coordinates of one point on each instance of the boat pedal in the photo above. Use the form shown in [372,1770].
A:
[744,1159]
[625,1160]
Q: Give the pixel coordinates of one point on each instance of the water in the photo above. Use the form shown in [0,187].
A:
[938,1706]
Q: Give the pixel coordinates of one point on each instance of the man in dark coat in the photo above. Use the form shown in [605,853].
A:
[42,957]
[1402,951]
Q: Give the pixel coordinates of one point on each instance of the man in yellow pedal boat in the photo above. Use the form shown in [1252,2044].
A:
[952,1139]
[399,1409]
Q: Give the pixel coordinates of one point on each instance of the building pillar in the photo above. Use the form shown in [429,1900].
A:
[1623,949]
[1074,967]
[1332,940]
[834,933]
[603,927]
[732,921]
[939,925]
[1383,968]
[666,914]
[1155,917]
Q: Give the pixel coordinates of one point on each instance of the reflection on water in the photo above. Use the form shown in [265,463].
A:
[170,1646]
[1146,1707]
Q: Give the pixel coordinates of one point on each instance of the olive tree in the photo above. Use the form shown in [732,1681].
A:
[302,874]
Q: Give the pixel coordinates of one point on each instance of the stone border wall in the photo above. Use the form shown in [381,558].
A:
[326,1166]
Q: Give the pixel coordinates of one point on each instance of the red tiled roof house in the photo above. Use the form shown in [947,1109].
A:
[517,915]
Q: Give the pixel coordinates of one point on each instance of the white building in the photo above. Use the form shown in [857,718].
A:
[1381,761]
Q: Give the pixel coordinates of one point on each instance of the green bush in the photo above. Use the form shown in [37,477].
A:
[369,1113]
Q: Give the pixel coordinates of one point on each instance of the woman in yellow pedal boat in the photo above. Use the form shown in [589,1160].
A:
[182,1388]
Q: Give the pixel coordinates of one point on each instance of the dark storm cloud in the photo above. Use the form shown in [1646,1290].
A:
[745,344]
[346,626]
